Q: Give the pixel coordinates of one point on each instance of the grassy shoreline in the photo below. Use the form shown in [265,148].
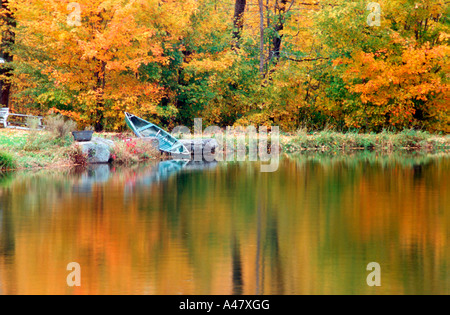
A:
[25,151]
[30,150]
[385,142]
[22,150]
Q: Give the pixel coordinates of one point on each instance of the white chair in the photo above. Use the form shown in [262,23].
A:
[4,113]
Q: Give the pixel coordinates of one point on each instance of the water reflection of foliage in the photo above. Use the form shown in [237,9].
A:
[233,229]
[372,158]
[401,199]
[5,179]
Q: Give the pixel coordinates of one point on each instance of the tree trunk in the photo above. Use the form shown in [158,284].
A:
[100,90]
[8,39]
[100,77]
[238,22]
[261,46]
[280,11]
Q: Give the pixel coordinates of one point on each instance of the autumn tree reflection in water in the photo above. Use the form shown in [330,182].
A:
[310,228]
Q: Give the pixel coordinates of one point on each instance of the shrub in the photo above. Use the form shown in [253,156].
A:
[77,156]
[34,139]
[33,123]
[328,139]
[133,151]
[57,133]
[366,141]
[7,161]
[411,138]
[121,154]
[60,127]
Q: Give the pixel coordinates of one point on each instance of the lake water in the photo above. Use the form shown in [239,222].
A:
[310,228]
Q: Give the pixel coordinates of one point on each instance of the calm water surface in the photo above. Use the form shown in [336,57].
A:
[310,228]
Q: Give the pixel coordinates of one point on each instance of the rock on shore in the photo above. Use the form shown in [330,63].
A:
[98,150]
[206,146]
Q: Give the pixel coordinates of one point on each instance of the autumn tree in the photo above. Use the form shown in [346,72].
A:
[7,24]
[92,71]
[387,76]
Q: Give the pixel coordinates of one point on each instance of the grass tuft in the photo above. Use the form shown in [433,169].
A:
[7,162]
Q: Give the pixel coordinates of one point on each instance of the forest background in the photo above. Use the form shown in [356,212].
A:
[312,64]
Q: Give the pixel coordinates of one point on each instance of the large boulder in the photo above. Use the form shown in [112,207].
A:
[98,150]
[206,146]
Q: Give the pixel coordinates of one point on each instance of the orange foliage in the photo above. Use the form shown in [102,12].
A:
[397,89]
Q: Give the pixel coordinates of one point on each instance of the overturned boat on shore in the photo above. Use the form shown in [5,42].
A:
[167,143]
